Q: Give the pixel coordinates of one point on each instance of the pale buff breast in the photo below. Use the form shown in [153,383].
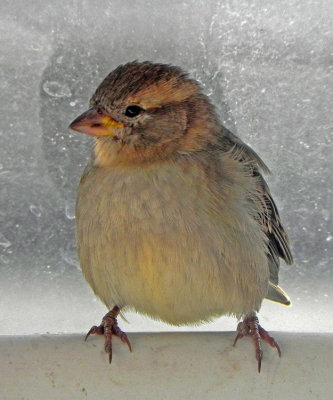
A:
[161,241]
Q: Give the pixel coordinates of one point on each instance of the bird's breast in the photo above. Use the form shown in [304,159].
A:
[159,240]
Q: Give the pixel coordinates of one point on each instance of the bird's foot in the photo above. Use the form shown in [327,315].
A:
[250,327]
[109,327]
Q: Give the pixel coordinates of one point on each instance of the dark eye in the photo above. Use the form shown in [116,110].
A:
[133,111]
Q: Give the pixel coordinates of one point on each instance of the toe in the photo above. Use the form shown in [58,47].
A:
[99,330]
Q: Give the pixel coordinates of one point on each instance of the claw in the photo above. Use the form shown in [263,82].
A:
[239,336]
[122,336]
[99,330]
[259,364]
[125,340]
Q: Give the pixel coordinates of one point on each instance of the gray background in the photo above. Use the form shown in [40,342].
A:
[265,65]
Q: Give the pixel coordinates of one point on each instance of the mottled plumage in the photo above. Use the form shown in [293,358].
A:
[174,218]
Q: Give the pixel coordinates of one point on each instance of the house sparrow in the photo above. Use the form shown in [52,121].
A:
[173,216]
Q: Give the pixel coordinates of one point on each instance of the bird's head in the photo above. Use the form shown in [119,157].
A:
[144,112]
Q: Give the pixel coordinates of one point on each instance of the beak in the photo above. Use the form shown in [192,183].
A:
[95,123]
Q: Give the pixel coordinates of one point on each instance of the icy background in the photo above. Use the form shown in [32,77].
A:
[265,64]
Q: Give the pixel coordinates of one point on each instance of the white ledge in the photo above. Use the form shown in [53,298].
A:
[165,366]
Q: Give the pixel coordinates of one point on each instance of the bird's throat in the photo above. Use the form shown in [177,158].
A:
[110,153]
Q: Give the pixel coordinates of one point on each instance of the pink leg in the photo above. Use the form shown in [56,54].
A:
[109,327]
[250,327]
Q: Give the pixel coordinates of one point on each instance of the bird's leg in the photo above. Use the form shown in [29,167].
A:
[250,327]
[108,328]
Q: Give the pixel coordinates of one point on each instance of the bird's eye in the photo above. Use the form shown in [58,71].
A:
[133,111]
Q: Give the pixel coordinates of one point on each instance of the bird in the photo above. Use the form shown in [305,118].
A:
[173,216]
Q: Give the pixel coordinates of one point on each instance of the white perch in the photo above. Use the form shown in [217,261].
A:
[165,366]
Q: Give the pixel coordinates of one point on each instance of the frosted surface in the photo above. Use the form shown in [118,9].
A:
[266,66]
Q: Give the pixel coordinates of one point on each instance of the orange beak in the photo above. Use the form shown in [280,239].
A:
[95,123]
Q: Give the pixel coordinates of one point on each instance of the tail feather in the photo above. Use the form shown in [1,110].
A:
[275,293]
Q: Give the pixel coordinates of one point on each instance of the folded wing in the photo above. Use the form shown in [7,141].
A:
[268,215]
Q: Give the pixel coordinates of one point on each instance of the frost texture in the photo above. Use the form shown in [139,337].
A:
[267,68]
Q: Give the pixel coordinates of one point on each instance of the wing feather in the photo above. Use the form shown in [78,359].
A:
[268,215]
